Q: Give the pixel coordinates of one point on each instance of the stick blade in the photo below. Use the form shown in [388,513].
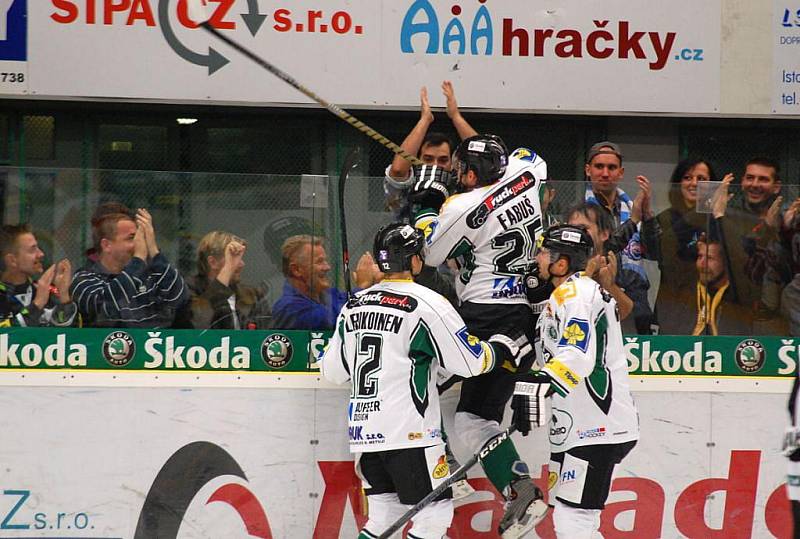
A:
[198,11]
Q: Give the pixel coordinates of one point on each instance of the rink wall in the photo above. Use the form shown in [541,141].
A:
[233,434]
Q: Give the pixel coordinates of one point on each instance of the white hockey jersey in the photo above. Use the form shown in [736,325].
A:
[579,340]
[391,345]
[491,233]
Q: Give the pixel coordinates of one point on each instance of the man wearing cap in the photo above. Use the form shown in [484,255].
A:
[634,218]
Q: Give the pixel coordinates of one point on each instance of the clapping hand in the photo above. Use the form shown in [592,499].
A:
[773,216]
[450,97]
[367,272]
[140,242]
[145,221]
[425,113]
[603,269]
[720,199]
[42,295]
[63,279]
[790,214]
[642,209]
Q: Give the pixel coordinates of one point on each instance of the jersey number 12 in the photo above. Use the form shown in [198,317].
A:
[368,363]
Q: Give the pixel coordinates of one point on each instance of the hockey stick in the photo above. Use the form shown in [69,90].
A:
[333,108]
[490,446]
[350,163]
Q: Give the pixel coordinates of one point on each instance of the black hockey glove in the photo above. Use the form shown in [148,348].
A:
[513,350]
[431,188]
[537,289]
[528,405]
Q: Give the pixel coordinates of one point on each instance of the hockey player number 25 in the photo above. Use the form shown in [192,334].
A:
[367,365]
[518,246]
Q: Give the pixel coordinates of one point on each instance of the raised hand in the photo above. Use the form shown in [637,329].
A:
[425,112]
[642,209]
[450,97]
[234,253]
[791,213]
[720,199]
[139,242]
[63,279]
[773,216]
[549,196]
[593,266]
[42,295]
[607,274]
[145,220]
[367,272]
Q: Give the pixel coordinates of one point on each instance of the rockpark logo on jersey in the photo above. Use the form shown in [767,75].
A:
[388,299]
[750,356]
[520,184]
[119,348]
[477,32]
[277,350]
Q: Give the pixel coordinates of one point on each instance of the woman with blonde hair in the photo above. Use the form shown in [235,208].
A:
[219,300]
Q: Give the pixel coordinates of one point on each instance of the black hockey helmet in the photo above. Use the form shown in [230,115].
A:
[571,241]
[394,246]
[486,155]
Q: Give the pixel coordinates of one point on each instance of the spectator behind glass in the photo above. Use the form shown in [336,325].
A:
[790,298]
[627,286]
[309,301]
[709,308]
[751,224]
[106,208]
[276,232]
[219,300]
[131,283]
[635,226]
[24,300]
[682,226]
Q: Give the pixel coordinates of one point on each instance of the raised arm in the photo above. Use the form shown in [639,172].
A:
[399,170]
[463,128]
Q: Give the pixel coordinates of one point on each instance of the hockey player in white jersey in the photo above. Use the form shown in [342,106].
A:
[594,423]
[490,230]
[391,342]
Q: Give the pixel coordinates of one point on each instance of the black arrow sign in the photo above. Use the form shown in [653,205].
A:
[253,18]
[213,60]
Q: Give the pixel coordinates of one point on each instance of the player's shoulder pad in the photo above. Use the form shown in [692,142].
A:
[460,202]
[427,299]
[449,200]
[565,292]
[574,289]
[537,167]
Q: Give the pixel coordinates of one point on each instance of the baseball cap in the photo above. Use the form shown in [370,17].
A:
[604,147]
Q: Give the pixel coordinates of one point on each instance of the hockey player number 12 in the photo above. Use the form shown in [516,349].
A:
[368,362]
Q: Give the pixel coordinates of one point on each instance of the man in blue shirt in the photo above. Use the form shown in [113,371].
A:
[309,301]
